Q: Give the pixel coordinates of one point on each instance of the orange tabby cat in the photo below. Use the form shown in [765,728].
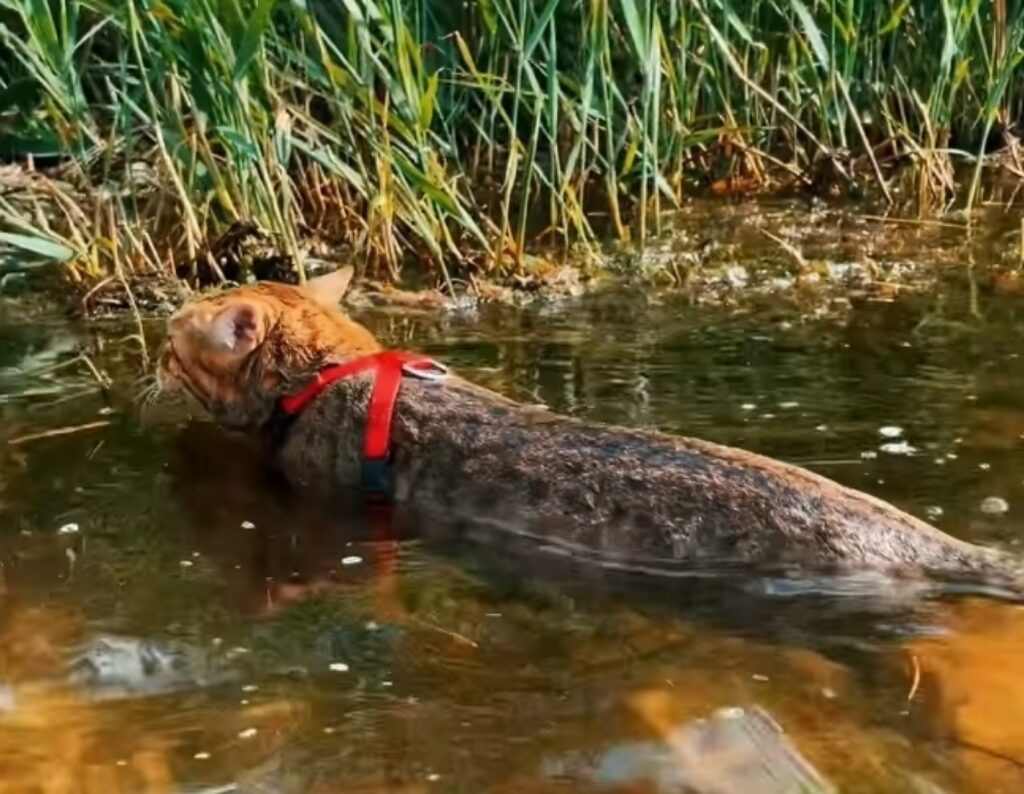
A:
[479,462]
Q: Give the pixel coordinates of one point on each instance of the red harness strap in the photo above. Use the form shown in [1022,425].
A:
[388,367]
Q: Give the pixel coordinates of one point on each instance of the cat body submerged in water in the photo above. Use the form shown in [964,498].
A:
[459,452]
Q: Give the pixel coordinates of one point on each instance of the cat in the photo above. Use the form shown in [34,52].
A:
[470,458]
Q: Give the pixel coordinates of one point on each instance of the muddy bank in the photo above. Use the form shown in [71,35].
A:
[802,255]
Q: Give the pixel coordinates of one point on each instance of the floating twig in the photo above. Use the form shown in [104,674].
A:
[58,431]
[788,247]
[914,222]
[460,638]
[917,677]
[101,377]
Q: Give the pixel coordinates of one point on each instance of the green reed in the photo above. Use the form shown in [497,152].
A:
[458,133]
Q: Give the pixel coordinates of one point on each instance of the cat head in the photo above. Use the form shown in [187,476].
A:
[237,351]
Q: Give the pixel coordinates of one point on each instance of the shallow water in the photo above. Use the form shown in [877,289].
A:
[172,619]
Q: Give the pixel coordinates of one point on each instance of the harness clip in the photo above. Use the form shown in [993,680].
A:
[425,369]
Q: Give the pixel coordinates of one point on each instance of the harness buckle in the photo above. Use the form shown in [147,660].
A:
[425,369]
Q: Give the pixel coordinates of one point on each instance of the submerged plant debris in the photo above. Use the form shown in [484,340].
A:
[209,635]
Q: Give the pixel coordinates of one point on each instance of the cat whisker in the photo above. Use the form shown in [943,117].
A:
[141,393]
[146,396]
[145,380]
[154,394]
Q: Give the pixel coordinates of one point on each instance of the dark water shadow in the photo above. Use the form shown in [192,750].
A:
[296,543]
[867,627]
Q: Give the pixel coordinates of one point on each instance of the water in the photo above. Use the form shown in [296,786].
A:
[172,619]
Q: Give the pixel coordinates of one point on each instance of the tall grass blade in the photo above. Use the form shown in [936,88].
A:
[254,30]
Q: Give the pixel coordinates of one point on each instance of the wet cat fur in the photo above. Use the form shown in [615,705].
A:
[464,454]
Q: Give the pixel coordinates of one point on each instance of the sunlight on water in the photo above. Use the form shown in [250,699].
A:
[201,629]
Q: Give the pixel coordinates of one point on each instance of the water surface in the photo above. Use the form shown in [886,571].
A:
[174,619]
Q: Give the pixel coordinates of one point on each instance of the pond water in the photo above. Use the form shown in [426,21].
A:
[174,620]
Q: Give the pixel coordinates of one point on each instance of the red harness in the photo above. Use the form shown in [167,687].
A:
[388,368]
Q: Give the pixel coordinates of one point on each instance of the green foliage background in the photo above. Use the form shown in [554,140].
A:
[456,131]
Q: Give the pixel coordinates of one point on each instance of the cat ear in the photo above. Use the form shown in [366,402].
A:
[328,290]
[238,328]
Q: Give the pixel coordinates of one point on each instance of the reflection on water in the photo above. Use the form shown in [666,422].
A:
[203,629]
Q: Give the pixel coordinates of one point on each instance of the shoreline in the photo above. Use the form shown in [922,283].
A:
[714,250]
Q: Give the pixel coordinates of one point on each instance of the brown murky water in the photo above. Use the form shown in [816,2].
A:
[173,620]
